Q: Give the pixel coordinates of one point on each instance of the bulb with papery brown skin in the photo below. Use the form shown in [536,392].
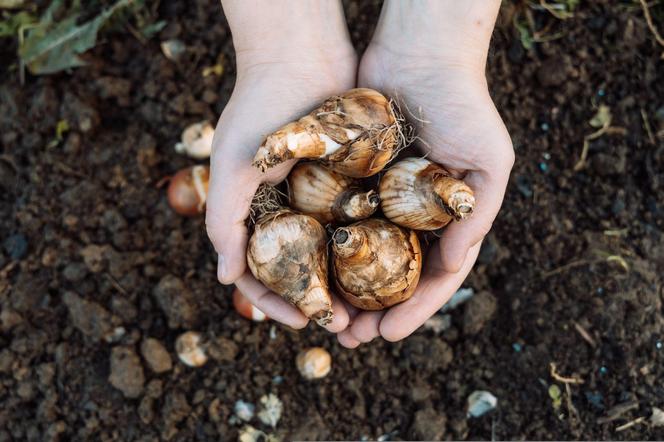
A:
[314,363]
[288,253]
[188,189]
[376,264]
[356,134]
[245,308]
[419,194]
[328,196]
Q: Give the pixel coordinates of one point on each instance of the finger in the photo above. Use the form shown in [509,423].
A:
[433,291]
[458,237]
[269,303]
[347,340]
[365,326]
[340,318]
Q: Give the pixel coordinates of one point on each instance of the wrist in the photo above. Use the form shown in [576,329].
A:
[454,33]
[286,31]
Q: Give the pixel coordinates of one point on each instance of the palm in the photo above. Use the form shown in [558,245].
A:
[265,96]
[458,127]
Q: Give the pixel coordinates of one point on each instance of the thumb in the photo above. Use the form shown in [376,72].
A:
[459,237]
[232,187]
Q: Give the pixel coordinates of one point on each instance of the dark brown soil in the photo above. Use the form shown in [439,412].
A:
[98,274]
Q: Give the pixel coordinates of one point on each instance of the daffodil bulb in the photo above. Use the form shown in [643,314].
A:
[419,194]
[328,196]
[356,134]
[376,264]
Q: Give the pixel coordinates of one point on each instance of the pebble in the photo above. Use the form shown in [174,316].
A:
[90,318]
[75,272]
[156,355]
[479,311]
[481,402]
[244,410]
[429,425]
[126,372]
[223,349]
[16,246]
[176,301]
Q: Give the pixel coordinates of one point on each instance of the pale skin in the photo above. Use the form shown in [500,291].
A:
[431,55]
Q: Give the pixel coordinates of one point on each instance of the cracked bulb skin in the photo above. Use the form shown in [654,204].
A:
[245,308]
[421,195]
[328,196]
[376,264]
[190,350]
[188,189]
[287,252]
[355,134]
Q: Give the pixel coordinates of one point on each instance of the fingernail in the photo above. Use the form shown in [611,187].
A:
[221,268]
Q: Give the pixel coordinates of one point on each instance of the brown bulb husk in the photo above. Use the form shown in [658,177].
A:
[328,196]
[355,134]
[288,253]
[376,264]
[188,189]
[419,194]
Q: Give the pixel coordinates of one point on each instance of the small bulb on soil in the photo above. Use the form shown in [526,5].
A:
[188,189]
[245,308]
[197,140]
[318,191]
[419,194]
[190,350]
[314,363]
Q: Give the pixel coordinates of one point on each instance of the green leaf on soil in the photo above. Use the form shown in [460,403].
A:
[150,30]
[556,396]
[10,26]
[52,47]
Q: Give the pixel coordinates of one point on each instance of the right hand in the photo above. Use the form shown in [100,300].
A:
[270,91]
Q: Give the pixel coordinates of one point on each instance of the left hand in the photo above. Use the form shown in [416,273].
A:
[447,99]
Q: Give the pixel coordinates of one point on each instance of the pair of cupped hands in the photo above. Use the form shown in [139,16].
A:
[442,90]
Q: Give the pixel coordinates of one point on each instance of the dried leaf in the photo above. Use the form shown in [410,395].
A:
[271,410]
[11,4]
[52,47]
[602,117]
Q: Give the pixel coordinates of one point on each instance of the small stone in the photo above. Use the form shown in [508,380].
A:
[176,301]
[657,417]
[75,272]
[223,349]
[126,372]
[16,246]
[429,425]
[244,410]
[157,357]
[481,402]
[93,256]
[479,310]
[9,319]
[173,49]
[88,317]
[175,408]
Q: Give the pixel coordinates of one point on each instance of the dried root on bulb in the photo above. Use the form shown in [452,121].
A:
[419,194]
[287,252]
[330,197]
[376,264]
[355,134]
